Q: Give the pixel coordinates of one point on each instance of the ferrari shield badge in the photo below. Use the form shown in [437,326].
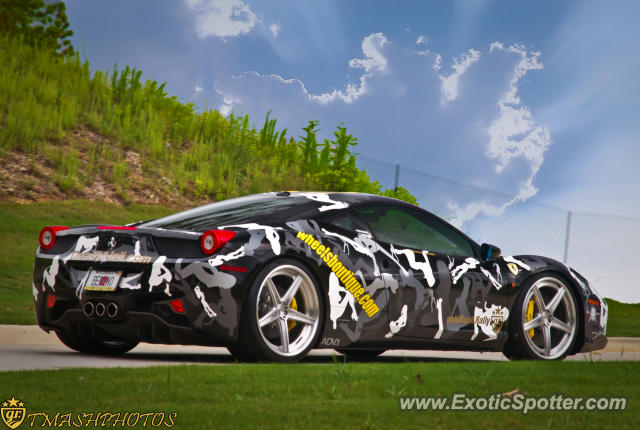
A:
[514,268]
[13,412]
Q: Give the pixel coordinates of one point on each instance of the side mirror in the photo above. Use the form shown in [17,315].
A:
[489,252]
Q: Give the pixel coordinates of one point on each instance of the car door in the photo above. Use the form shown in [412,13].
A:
[439,278]
[350,311]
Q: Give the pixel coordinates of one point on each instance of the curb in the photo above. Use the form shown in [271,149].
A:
[26,334]
[34,335]
[623,344]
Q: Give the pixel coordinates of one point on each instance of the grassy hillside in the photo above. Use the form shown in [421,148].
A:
[19,230]
[623,319]
[67,133]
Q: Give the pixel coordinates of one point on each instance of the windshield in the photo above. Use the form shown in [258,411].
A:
[266,208]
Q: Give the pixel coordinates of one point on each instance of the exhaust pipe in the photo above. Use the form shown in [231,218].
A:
[88,309]
[100,309]
[112,310]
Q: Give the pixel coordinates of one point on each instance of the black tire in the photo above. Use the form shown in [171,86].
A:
[94,346]
[360,354]
[298,318]
[556,318]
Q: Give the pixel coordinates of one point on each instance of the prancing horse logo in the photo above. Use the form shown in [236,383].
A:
[13,412]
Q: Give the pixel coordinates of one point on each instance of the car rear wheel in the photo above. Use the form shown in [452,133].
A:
[94,346]
[282,316]
[544,324]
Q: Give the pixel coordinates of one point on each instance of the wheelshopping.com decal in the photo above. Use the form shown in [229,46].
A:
[351,284]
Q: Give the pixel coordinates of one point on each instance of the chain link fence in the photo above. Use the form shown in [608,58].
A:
[600,247]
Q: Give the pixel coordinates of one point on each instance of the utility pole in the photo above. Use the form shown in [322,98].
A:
[566,238]
[395,186]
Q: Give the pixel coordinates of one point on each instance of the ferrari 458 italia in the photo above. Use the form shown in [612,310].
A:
[271,276]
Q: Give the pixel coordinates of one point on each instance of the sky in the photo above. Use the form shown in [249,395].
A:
[535,100]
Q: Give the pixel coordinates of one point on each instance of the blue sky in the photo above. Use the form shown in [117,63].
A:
[538,100]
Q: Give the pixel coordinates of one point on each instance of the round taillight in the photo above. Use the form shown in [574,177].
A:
[48,235]
[213,240]
[47,239]
[208,243]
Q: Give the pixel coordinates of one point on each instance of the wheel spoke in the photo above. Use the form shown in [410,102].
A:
[546,335]
[300,317]
[268,318]
[553,304]
[556,323]
[287,310]
[293,289]
[536,322]
[273,291]
[538,298]
[554,318]
[284,336]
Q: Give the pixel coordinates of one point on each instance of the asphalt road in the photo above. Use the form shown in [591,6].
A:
[28,347]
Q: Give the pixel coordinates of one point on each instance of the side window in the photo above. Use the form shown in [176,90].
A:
[347,221]
[411,229]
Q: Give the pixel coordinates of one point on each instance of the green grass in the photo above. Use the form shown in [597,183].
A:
[624,319]
[331,395]
[21,224]
[203,155]
[19,229]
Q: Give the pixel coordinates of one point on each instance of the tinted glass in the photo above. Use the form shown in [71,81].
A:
[347,221]
[233,211]
[411,229]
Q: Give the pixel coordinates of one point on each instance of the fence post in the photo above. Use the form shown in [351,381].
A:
[566,238]
[395,186]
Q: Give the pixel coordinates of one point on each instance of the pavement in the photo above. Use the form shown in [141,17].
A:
[29,347]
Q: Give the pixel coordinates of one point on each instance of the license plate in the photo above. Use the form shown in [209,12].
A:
[102,281]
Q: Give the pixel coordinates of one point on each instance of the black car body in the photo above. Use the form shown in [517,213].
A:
[386,275]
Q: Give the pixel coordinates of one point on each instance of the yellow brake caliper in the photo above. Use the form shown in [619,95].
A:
[530,306]
[294,306]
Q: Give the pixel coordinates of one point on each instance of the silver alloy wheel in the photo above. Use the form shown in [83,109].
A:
[554,322]
[274,310]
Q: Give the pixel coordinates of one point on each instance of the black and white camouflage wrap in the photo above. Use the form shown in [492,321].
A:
[425,299]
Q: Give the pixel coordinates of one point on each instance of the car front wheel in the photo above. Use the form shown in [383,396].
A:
[544,323]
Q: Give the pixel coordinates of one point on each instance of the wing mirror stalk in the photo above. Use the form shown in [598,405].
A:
[489,252]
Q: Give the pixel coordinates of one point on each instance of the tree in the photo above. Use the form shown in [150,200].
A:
[38,22]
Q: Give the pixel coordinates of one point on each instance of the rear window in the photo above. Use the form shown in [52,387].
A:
[259,208]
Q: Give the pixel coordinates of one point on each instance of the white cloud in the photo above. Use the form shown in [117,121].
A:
[373,63]
[222,18]
[462,215]
[437,63]
[513,134]
[460,65]
[227,106]
[489,138]
[275,29]
[228,102]
[198,89]
[371,48]
[422,40]
[496,45]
